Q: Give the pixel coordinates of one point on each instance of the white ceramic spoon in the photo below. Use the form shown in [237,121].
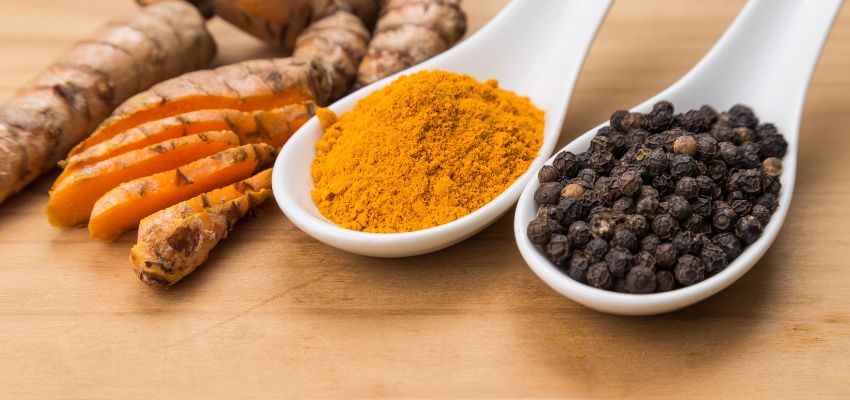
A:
[764,60]
[533,47]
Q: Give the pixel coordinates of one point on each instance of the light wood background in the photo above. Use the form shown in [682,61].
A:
[276,314]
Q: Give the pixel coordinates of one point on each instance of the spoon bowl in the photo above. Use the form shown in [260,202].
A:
[764,60]
[534,48]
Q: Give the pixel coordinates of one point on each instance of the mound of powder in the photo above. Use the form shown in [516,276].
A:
[423,151]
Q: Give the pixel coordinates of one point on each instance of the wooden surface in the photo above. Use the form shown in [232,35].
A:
[275,314]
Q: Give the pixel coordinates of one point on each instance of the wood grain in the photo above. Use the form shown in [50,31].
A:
[276,314]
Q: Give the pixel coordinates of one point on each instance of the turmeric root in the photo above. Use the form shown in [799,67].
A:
[246,86]
[69,98]
[72,200]
[272,127]
[409,32]
[124,206]
[167,252]
[338,42]
[279,22]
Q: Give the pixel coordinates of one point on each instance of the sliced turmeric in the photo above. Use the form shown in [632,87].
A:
[246,86]
[72,200]
[123,207]
[197,204]
[169,246]
[273,127]
[69,98]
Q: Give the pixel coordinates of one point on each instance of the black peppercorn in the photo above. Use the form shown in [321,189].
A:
[631,121]
[689,270]
[749,181]
[728,153]
[706,146]
[743,135]
[547,211]
[558,249]
[766,129]
[742,115]
[577,267]
[650,242]
[599,276]
[687,187]
[658,120]
[679,207]
[644,259]
[602,226]
[596,249]
[587,176]
[729,244]
[663,105]
[548,193]
[770,184]
[637,224]
[773,146]
[701,206]
[696,224]
[682,165]
[664,281]
[714,259]
[640,280]
[722,133]
[748,156]
[598,143]
[541,230]
[741,206]
[619,261]
[665,226]
[630,183]
[666,255]
[625,238]
[723,219]
[617,118]
[656,162]
[769,201]
[716,170]
[648,206]
[761,213]
[601,161]
[748,229]
[548,174]
[623,205]
[567,163]
[664,184]
[579,234]
[683,242]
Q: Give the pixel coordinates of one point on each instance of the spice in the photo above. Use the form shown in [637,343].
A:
[425,150]
[663,200]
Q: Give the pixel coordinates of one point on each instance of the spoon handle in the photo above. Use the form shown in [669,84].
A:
[770,49]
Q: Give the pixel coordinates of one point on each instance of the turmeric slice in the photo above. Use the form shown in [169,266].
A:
[214,198]
[123,207]
[246,86]
[272,127]
[72,200]
[175,241]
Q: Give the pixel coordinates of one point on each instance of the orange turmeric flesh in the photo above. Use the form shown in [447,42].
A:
[122,208]
[72,200]
[246,86]
[214,198]
[272,127]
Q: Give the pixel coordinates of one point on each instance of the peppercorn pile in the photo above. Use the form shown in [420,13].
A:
[660,200]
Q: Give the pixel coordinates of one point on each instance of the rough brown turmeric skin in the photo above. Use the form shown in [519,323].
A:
[425,150]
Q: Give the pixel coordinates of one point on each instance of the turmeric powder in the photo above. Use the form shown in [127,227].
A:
[423,151]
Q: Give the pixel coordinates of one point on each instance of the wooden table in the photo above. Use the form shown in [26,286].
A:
[275,313]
